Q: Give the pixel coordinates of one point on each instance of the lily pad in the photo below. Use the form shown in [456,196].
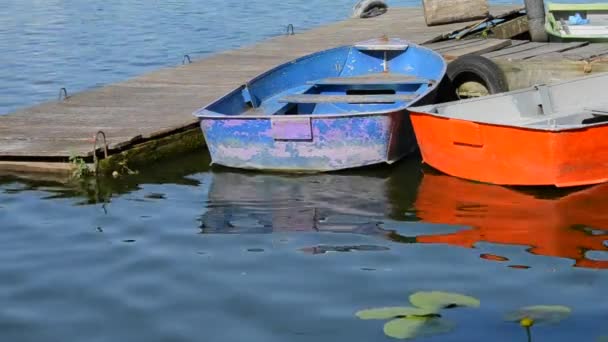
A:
[436,300]
[548,314]
[408,328]
[393,312]
[602,339]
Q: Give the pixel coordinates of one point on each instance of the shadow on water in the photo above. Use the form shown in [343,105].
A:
[178,171]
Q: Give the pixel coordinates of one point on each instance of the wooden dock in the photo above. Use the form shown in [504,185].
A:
[152,112]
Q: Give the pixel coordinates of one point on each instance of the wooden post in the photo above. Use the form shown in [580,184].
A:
[535,10]
[438,12]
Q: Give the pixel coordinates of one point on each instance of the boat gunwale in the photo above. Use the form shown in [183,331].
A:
[557,7]
[428,109]
[548,129]
[204,113]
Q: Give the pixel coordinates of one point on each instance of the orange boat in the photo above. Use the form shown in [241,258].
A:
[565,226]
[543,135]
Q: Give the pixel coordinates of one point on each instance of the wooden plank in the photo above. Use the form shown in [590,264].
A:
[525,73]
[452,42]
[462,46]
[315,98]
[487,46]
[513,49]
[543,50]
[511,28]
[515,42]
[578,54]
[450,11]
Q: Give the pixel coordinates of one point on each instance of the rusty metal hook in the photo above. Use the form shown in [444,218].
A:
[186,58]
[105,148]
[290,31]
[63,92]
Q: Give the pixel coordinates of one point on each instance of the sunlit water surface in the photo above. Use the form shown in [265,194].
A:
[183,253]
[47,45]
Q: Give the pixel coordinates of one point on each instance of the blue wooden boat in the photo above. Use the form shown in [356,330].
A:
[335,109]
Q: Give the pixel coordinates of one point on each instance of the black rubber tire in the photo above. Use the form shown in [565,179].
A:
[479,69]
[369,8]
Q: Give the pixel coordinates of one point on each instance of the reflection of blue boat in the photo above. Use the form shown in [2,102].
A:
[340,108]
[264,203]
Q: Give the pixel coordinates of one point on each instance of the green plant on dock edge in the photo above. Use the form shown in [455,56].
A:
[80,169]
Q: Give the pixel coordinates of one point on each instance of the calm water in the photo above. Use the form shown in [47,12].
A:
[47,45]
[184,253]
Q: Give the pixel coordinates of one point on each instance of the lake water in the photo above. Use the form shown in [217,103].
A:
[180,252]
[47,45]
[183,253]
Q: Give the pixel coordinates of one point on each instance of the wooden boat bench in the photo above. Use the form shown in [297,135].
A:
[382,79]
[319,98]
[597,111]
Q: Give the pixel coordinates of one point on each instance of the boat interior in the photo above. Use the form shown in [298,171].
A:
[569,104]
[352,79]
[592,22]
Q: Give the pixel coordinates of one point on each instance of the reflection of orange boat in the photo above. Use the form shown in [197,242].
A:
[559,227]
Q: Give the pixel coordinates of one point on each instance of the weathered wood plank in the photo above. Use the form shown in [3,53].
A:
[543,50]
[515,42]
[450,43]
[523,73]
[450,11]
[578,54]
[470,44]
[513,49]
[511,28]
[478,49]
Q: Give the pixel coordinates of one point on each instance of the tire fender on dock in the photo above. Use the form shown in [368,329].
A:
[475,75]
[369,8]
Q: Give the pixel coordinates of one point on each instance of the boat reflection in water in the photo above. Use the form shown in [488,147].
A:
[564,226]
[263,203]
[379,202]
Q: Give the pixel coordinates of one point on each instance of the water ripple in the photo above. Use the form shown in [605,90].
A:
[84,43]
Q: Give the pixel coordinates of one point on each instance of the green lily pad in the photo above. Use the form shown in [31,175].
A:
[549,314]
[436,300]
[393,312]
[602,339]
[408,328]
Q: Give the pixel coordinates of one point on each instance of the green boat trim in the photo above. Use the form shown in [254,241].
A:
[552,7]
[555,28]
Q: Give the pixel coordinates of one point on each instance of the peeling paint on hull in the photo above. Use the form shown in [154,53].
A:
[335,143]
[335,109]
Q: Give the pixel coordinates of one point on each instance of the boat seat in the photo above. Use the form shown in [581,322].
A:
[597,111]
[371,80]
[318,98]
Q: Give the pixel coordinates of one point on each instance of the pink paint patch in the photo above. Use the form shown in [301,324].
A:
[343,154]
[242,153]
[291,129]
[234,122]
